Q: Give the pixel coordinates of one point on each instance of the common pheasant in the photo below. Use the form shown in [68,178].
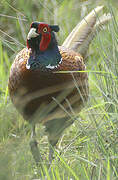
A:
[48,83]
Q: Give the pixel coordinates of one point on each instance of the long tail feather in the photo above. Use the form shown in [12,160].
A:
[82,35]
[83,48]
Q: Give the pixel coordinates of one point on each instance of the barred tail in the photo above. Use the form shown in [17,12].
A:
[84,32]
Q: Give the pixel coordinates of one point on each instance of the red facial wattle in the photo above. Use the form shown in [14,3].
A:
[46,36]
[45,40]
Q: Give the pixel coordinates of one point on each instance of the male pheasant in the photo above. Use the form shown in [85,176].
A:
[48,83]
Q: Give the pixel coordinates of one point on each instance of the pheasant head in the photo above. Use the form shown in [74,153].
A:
[43,44]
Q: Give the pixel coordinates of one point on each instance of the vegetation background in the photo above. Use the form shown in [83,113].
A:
[89,148]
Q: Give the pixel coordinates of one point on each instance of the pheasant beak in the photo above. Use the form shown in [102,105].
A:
[32,34]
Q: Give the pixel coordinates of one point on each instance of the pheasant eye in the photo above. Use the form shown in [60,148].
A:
[45,29]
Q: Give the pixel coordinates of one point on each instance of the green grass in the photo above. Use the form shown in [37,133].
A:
[89,148]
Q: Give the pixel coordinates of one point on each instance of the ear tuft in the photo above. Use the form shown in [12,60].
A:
[54,28]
